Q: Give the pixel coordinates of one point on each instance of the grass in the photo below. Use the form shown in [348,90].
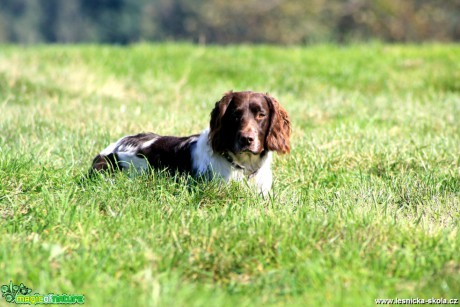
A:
[366,206]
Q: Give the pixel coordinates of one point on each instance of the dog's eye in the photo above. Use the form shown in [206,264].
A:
[261,115]
[237,116]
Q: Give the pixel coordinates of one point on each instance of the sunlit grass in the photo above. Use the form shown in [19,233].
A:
[366,205]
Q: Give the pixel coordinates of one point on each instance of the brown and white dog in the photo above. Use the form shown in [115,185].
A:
[245,128]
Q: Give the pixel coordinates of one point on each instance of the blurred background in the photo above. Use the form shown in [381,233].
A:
[224,21]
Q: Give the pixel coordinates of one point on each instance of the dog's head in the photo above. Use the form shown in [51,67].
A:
[249,122]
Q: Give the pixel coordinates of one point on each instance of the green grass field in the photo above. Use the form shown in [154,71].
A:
[366,206]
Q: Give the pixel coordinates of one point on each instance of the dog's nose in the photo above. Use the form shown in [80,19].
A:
[246,139]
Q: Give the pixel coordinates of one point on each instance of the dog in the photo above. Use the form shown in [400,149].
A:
[245,128]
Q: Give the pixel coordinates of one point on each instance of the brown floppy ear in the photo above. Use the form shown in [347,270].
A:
[279,131]
[215,133]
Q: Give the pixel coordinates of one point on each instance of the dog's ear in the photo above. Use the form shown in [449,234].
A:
[215,132]
[279,131]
